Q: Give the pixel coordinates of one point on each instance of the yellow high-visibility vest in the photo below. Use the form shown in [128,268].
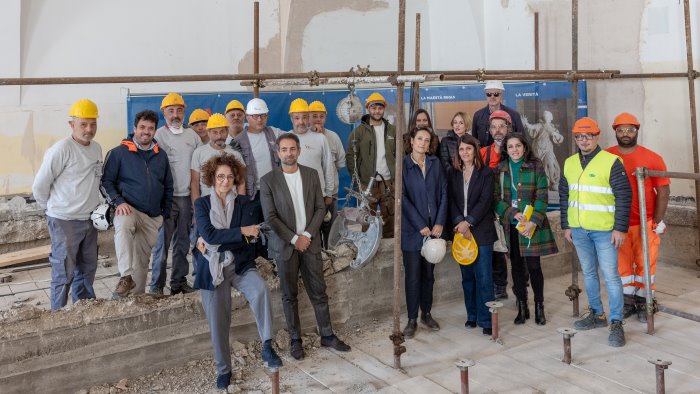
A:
[591,199]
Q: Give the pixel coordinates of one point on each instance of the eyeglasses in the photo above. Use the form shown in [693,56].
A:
[258,116]
[626,130]
[222,177]
[498,126]
[492,94]
[585,136]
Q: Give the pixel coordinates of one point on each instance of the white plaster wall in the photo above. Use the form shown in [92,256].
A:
[44,38]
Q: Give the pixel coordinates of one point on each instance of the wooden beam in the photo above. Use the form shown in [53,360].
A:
[23,256]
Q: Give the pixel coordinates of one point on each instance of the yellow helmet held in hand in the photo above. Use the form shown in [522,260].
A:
[375,98]
[234,104]
[172,99]
[298,105]
[83,108]
[216,120]
[464,250]
[198,115]
[317,106]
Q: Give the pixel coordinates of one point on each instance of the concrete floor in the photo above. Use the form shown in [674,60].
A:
[527,361]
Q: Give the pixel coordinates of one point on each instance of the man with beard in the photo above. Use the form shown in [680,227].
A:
[235,115]
[138,181]
[179,143]
[293,206]
[656,192]
[372,154]
[494,91]
[217,130]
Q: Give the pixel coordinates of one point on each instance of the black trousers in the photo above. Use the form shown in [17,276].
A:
[310,266]
[499,269]
[521,266]
[419,281]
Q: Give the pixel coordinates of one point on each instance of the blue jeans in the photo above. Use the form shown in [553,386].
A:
[595,250]
[73,260]
[175,229]
[477,285]
[419,281]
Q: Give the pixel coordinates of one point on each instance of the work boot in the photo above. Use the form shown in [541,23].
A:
[500,293]
[469,324]
[487,331]
[617,334]
[628,310]
[296,349]
[222,381]
[269,355]
[523,313]
[428,321]
[539,314]
[125,285]
[156,290]
[591,321]
[410,330]
[184,289]
[642,309]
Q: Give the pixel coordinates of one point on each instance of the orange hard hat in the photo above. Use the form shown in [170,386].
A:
[500,114]
[625,118]
[586,125]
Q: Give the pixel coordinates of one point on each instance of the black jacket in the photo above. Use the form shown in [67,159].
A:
[480,124]
[480,203]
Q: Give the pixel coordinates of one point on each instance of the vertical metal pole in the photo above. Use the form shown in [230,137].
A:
[641,174]
[567,349]
[574,94]
[693,118]
[661,365]
[463,366]
[417,54]
[275,381]
[398,186]
[415,86]
[256,47]
[537,40]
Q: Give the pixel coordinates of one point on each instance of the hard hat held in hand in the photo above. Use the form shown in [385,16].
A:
[102,217]
[434,249]
[464,250]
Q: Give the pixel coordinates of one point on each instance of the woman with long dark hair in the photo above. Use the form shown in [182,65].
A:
[521,182]
[470,190]
[461,125]
[421,119]
[423,214]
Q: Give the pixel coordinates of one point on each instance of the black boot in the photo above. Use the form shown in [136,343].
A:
[539,314]
[523,313]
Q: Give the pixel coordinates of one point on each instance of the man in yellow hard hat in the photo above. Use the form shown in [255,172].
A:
[235,115]
[217,128]
[179,143]
[198,123]
[317,117]
[656,192]
[315,152]
[595,198]
[67,186]
[372,154]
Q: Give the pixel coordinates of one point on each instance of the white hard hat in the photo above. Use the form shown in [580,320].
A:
[102,217]
[494,85]
[434,249]
[256,106]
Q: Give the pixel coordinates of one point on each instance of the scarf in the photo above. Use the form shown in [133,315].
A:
[220,217]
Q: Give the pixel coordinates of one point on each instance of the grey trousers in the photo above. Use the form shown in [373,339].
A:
[310,266]
[217,308]
[73,260]
[176,229]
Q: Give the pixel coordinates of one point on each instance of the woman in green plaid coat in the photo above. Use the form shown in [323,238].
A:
[521,181]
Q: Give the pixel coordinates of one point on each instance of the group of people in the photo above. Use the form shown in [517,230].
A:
[206,188]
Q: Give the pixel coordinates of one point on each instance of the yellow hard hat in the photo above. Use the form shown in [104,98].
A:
[234,104]
[317,106]
[375,98]
[298,105]
[216,120]
[464,250]
[83,108]
[172,99]
[198,115]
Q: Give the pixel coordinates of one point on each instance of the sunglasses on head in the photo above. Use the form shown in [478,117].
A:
[492,94]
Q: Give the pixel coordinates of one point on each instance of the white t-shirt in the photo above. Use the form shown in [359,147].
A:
[179,148]
[382,167]
[316,153]
[296,189]
[68,181]
[202,154]
[338,153]
[261,153]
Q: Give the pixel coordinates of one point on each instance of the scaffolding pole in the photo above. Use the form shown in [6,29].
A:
[693,118]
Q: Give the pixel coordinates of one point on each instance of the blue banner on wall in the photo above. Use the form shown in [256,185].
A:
[530,98]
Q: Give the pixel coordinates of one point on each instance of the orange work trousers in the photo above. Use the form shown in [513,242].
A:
[631,262]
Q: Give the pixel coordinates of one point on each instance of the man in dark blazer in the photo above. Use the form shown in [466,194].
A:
[293,206]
